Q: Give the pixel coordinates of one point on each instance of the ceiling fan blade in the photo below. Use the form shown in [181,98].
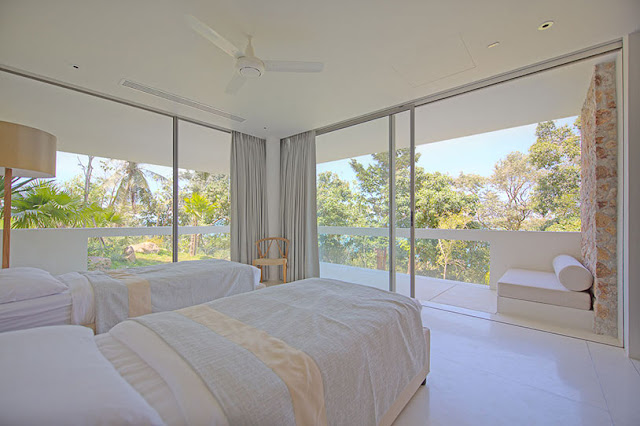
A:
[205,31]
[235,84]
[293,66]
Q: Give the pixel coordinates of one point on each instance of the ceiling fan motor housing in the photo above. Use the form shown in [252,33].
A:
[250,66]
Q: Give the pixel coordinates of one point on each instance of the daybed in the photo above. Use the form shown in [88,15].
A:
[312,352]
[100,300]
[560,297]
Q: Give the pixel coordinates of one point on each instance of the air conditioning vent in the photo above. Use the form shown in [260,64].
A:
[179,99]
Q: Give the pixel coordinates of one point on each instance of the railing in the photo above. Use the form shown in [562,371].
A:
[507,249]
[61,250]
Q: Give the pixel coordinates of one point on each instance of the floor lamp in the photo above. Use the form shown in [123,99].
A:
[24,152]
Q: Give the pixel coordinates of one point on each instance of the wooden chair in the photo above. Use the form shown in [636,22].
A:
[283,249]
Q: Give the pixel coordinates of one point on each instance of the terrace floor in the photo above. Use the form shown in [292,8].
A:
[476,297]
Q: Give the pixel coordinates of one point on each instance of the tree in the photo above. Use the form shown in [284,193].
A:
[556,153]
[197,207]
[437,198]
[509,201]
[447,248]
[88,171]
[43,205]
[132,183]
[339,205]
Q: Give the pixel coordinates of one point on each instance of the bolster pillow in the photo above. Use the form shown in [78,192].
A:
[571,273]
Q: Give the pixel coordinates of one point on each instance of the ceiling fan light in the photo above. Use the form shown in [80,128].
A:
[250,72]
[250,67]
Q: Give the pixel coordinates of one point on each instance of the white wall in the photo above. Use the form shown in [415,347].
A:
[273,192]
[631,279]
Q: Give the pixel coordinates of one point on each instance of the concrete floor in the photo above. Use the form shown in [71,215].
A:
[476,297]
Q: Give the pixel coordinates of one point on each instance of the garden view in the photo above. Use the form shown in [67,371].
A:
[527,190]
[535,190]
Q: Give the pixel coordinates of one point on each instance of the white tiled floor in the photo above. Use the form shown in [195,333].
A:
[489,373]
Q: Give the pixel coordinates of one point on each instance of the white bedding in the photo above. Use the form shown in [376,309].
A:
[83,308]
[74,306]
[47,310]
[83,375]
[57,376]
[160,375]
[168,381]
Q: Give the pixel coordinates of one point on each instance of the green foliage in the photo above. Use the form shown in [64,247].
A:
[538,190]
[556,154]
[43,205]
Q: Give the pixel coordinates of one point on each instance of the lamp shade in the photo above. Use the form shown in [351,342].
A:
[29,152]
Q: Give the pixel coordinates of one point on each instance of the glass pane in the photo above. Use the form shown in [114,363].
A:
[353,203]
[109,205]
[490,166]
[402,202]
[203,201]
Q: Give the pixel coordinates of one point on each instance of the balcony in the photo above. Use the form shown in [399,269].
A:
[507,249]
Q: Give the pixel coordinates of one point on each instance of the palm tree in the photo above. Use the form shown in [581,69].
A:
[132,183]
[43,205]
[197,207]
[16,185]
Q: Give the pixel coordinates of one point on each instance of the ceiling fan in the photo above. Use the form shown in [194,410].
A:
[248,65]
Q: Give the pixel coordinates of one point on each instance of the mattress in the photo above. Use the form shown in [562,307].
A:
[194,404]
[541,287]
[48,310]
[181,391]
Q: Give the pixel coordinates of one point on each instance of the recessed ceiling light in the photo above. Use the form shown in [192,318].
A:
[494,44]
[545,25]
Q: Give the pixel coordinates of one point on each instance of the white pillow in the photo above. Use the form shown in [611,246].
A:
[58,376]
[27,283]
[571,273]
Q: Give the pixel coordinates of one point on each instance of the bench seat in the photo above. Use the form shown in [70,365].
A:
[541,287]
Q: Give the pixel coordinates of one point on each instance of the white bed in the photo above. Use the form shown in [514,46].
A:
[47,310]
[381,334]
[202,281]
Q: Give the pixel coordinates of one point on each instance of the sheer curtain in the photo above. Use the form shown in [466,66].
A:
[298,204]
[248,195]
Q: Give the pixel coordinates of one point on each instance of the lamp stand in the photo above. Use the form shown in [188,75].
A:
[6,231]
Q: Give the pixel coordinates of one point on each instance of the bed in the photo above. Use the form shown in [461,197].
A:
[100,300]
[311,352]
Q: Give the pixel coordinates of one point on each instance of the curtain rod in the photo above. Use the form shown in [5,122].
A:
[47,80]
[557,62]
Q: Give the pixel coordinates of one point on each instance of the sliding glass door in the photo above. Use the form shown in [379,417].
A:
[353,175]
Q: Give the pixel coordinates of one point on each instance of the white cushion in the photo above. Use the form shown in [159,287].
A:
[57,376]
[571,273]
[542,287]
[27,283]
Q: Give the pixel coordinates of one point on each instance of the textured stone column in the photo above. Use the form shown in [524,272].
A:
[599,194]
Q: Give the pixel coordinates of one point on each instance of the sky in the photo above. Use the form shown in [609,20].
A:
[471,154]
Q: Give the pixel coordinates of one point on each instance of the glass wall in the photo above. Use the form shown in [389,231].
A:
[203,200]
[353,203]
[493,170]
[110,204]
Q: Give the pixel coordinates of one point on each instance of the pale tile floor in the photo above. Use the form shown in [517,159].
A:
[489,373]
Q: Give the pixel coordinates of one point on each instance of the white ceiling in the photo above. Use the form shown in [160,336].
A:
[377,53]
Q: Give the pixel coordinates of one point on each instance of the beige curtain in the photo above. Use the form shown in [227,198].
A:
[298,204]
[248,195]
